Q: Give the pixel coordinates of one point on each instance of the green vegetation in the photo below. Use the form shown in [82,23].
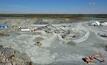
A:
[55,15]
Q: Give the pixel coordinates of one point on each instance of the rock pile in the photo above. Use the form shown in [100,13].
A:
[9,56]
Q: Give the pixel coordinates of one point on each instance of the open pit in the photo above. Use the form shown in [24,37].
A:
[54,43]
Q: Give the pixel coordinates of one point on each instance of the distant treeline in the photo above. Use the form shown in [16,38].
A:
[55,15]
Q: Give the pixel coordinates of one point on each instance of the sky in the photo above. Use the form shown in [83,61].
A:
[54,6]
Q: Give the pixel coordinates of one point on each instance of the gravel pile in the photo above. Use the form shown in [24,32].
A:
[9,56]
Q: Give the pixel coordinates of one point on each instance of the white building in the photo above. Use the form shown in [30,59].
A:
[25,30]
[104,24]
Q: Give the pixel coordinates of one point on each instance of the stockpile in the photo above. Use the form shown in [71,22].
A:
[9,56]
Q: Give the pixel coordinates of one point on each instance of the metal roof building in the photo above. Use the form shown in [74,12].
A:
[3,26]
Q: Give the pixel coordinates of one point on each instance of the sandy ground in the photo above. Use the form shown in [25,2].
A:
[57,51]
